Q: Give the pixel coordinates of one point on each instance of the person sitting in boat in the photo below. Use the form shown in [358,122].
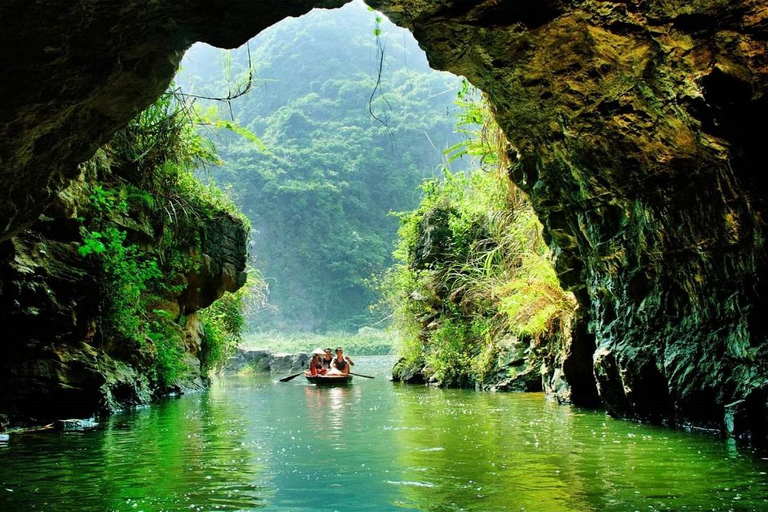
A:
[316,365]
[341,363]
[327,359]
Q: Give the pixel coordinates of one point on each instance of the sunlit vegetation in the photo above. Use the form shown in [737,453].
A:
[475,280]
[320,183]
[367,341]
[142,232]
[224,322]
[324,165]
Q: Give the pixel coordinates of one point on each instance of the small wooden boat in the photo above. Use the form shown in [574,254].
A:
[329,380]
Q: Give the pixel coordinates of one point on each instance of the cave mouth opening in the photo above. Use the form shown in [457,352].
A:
[350,119]
[110,64]
[342,99]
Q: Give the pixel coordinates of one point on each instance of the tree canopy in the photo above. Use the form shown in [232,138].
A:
[331,148]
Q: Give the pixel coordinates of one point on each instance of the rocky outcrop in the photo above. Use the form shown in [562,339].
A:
[255,360]
[459,332]
[59,360]
[409,373]
[82,70]
[637,133]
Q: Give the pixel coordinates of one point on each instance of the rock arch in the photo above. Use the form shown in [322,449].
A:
[637,128]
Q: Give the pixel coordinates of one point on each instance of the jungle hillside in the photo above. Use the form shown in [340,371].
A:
[335,121]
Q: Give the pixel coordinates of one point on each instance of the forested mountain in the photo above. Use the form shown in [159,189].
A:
[329,165]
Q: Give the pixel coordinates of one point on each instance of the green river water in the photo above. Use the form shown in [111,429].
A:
[251,443]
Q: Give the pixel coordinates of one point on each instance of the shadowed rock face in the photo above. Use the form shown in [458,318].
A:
[58,360]
[638,139]
[637,136]
[75,72]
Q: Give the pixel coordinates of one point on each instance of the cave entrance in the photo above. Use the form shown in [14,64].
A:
[350,119]
[599,192]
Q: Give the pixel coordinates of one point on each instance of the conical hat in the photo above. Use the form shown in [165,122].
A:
[319,351]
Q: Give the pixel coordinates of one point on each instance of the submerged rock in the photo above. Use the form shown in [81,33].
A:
[75,425]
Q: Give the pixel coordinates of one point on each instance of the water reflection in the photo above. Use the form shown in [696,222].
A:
[187,454]
[327,409]
[252,443]
[496,452]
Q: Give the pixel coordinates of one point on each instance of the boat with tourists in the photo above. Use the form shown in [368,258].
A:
[329,380]
[328,371]
[325,370]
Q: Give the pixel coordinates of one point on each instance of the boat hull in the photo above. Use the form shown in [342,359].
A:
[324,380]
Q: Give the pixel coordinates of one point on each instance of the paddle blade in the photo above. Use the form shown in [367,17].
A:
[290,377]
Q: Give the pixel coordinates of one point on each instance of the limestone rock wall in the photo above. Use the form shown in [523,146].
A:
[58,360]
[256,360]
[637,127]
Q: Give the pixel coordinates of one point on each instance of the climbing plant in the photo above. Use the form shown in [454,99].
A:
[142,230]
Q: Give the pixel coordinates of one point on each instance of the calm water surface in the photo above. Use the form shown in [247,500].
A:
[254,444]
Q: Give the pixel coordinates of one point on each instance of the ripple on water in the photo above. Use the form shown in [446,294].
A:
[410,483]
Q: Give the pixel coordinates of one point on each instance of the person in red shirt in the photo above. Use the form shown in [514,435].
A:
[316,366]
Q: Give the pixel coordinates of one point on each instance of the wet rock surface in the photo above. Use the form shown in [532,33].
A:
[57,360]
[636,129]
[637,133]
[74,425]
[408,374]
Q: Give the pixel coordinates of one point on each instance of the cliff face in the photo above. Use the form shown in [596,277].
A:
[75,72]
[637,136]
[60,357]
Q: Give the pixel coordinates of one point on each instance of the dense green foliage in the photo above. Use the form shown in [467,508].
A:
[223,324]
[141,230]
[475,280]
[319,186]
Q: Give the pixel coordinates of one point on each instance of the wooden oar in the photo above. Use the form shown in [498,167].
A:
[290,377]
[361,375]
